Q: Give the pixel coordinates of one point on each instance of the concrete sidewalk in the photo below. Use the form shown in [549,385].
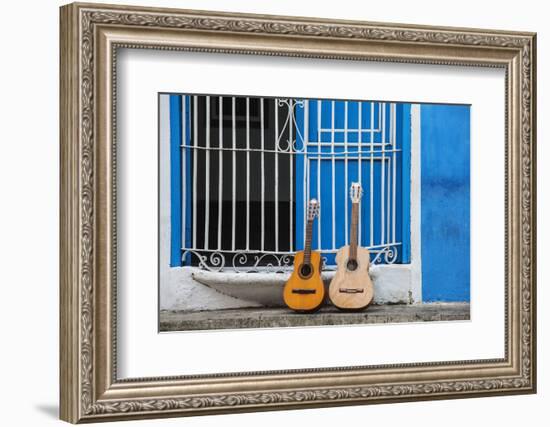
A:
[327,315]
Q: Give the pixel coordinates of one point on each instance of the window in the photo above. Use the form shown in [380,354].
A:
[243,168]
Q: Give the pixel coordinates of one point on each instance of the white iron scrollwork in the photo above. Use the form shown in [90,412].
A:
[268,262]
[290,123]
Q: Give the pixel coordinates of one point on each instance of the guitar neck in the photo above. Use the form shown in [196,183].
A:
[353,231]
[307,246]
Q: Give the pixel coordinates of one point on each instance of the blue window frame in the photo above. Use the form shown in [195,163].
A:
[180,178]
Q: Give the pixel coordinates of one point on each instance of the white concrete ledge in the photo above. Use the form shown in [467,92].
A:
[391,284]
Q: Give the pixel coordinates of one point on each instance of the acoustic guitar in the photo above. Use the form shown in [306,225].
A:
[304,291]
[351,287]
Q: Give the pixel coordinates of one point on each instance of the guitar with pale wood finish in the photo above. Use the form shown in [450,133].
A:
[351,287]
[304,291]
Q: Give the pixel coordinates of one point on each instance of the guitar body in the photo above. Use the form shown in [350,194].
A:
[352,289]
[304,290]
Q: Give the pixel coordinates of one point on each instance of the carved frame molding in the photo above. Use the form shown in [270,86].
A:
[90,36]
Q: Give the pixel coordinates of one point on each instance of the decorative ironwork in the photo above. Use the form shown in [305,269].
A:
[360,152]
[270,262]
[388,253]
[281,262]
[289,125]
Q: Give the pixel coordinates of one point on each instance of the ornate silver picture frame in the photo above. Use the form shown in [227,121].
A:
[91,37]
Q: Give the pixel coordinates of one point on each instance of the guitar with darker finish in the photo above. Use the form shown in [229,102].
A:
[304,291]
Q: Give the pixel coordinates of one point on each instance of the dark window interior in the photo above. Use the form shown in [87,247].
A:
[283,162]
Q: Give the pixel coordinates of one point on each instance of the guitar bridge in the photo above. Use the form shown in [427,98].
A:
[351,290]
[304,291]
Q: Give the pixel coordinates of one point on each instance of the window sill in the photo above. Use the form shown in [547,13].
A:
[328,315]
[392,284]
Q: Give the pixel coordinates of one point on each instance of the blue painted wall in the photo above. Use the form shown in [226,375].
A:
[445,202]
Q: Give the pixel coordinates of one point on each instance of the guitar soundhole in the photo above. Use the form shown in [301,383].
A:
[306,270]
[352,265]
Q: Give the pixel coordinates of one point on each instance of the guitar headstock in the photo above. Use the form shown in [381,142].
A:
[355,192]
[312,209]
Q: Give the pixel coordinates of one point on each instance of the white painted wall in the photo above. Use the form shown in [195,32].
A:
[416,197]
[29,225]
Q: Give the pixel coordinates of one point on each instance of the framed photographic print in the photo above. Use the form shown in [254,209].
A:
[267,212]
[238,174]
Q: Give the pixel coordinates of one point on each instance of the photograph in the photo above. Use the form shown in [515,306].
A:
[292,212]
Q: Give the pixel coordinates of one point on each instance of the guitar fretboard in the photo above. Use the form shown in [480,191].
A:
[353,231]
[307,245]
